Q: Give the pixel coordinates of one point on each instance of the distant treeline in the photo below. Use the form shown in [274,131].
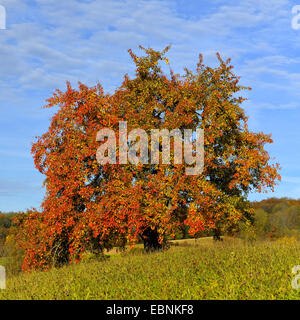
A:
[5,225]
[274,218]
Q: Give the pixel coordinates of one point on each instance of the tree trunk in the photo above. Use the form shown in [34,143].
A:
[217,234]
[150,239]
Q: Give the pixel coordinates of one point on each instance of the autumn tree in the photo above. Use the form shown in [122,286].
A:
[92,206]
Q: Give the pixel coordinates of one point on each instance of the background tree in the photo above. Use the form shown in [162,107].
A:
[92,207]
[5,224]
[274,218]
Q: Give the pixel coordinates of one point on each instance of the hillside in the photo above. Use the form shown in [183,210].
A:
[232,269]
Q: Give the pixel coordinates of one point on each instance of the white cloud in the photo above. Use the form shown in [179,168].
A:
[270,106]
[295,180]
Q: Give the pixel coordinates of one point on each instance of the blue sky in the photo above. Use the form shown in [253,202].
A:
[48,42]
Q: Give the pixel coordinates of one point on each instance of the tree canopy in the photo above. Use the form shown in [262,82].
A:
[89,206]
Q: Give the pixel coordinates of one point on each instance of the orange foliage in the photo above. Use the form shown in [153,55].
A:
[89,206]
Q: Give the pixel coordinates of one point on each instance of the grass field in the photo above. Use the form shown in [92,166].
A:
[190,269]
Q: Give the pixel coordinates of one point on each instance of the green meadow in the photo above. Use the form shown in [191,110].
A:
[189,269]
